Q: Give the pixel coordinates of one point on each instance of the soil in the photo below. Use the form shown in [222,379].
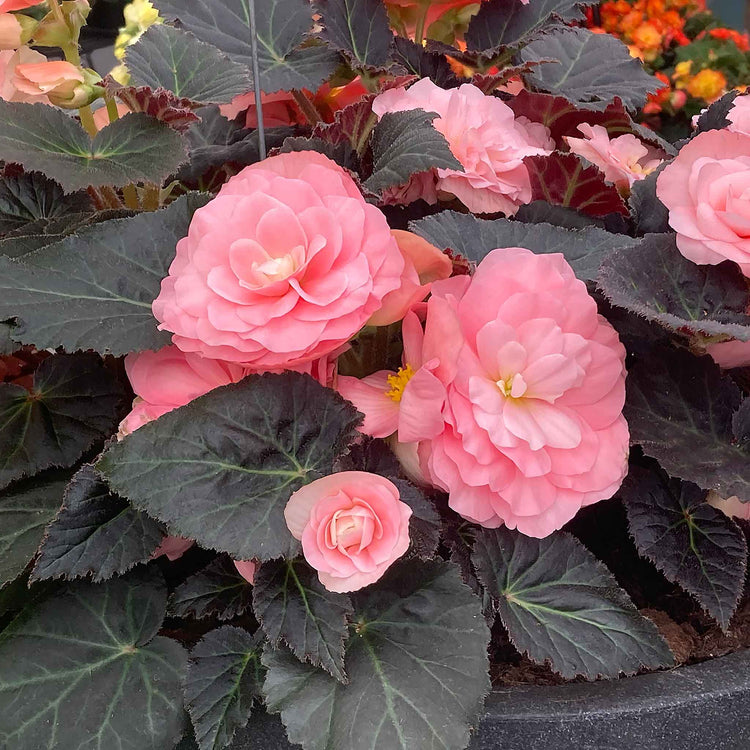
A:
[691,634]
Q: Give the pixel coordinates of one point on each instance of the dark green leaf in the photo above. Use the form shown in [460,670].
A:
[84,669]
[165,57]
[511,23]
[359,28]
[224,677]
[73,405]
[95,534]
[216,591]
[584,249]
[294,607]
[679,409]
[32,196]
[25,510]
[221,469]
[560,605]
[417,666]
[715,117]
[654,280]
[7,345]
[694,545]
[588,68]
[404,143]
[649,213]
[94,290]
[282,27]
[416,60]
[134,148]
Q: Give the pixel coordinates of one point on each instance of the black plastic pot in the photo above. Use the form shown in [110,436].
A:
[106,16]
[704,707]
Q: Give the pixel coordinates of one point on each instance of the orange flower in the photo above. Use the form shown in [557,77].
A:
[62,83]
[709,84]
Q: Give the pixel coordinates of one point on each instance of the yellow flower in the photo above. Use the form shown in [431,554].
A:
[709,84]
[139,15]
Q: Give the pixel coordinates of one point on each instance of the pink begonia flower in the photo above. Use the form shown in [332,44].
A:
[485,137]
[9,60]
[535,386]
[421,186]
[352,525]
[173,547]
[730,354]
[624,159]
[279,109]
[48,78]
[739,116]
[284,266]
[424,263]
[247,569]
[729,506]
[408,402]
[9,5]
[706,189]
[101,116]
[11,32]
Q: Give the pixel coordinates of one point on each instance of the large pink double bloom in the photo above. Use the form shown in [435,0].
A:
[534,384]
[284,266]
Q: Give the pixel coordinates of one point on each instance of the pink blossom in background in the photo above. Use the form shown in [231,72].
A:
[535,386]
[739,115]
[173,547]
[730,354]
[101,116]
[279,109]
[247,569]
[284,266]
[408,402]
[421,186]
[9,5]
[9,61]
[352,525]
[485,137]
[706,189]
[624,159]
[424,263]
[729,506]
[10,32]
[168,379]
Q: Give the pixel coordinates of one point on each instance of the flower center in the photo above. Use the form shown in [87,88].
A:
[512,387]
[275,269]
[398,382]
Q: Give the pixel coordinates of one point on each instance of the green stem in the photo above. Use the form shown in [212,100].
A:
[112,109]
[87,120]
[308,108]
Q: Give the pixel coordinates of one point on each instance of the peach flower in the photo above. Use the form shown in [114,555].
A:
[729,506]
[535,386]
[707,191]
[739,116]
[173,547]
[352,525]
[424,263]
[247,569]
[730,354]
[59,81]
[9,60]
[284,266]
[101,116]
[485,137]
[624,159]
[11,32]
[9,5]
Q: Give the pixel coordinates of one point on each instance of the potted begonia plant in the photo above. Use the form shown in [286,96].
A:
[360,363]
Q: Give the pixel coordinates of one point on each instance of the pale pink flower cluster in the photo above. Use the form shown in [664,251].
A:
[624,160]
[485,137]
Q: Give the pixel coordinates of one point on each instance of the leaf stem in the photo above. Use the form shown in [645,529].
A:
[87,120]
[112,109]
[308,108]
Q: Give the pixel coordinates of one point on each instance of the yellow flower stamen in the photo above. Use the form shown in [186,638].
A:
[398,382]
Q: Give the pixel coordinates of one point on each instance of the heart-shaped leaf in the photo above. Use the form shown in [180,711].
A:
[584,249]
[229,493]
[165,57]
[680,409]
[216,591]
[404,143]
[86,665]
[95,534]
[282,26]
[564,180]
[32,196]
[578,71]
[224,677]
[294,607]
[560,605]
[72,405]
[94,290]
[25,510]
[513,23]
[135,148]
[654,280]
[693,544]
[417,665]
